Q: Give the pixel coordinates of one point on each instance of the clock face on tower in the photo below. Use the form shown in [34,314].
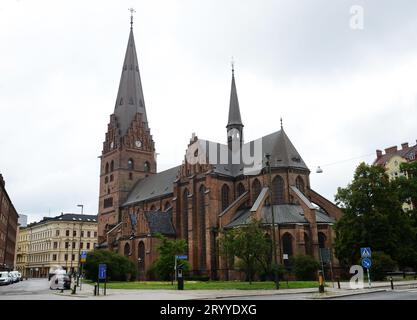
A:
[138,144]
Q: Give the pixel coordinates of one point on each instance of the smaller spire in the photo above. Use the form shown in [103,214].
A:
[131,17]
[281,123]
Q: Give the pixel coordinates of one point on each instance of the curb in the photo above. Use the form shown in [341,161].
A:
[350,294]
[255,294]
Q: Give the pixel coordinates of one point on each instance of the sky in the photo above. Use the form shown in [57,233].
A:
[342,89]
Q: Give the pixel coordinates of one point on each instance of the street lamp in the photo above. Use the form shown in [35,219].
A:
[274,243]
[79,245]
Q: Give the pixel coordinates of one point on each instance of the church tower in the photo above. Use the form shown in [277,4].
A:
[128,153]
[234,124]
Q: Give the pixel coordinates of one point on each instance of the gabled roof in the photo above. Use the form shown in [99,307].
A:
[130,98]
[283,214]
[406,152]
[155,185]
[160,222]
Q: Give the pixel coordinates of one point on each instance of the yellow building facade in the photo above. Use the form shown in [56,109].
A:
[54,242]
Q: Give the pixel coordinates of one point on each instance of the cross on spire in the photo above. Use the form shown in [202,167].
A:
[233,65]
[131,17]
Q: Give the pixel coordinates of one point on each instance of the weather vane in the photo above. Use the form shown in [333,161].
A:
[131,16]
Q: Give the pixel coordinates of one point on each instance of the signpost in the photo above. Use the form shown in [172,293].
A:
[102,275]
[366,255]
[178,257]
[83,258]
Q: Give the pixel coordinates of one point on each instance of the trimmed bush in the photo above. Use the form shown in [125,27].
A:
[119,268]
[304,267]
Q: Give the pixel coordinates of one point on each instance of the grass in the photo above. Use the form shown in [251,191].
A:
[211,285]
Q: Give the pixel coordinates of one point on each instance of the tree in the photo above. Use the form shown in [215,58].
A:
[407,185]
[381,264]
[249,244]
[165,263]
[373,217]
[119,268]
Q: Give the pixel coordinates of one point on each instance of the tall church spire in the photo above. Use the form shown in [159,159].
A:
[235,120]
[130,98]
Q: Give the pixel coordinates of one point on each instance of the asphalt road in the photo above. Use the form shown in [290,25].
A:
[28,289]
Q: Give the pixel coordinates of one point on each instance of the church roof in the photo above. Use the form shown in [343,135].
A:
[130,98]
[155,185]
[283,214]
[234,110]
[160,222]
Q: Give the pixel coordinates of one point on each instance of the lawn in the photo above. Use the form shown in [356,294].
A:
[211,285]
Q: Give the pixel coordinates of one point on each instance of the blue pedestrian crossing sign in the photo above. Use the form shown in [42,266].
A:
[102,270]
[366,252]
[366,263]
[182,257]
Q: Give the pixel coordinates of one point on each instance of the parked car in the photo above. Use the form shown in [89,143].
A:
[15,275]
[5,278]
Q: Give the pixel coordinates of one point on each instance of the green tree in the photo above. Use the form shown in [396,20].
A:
[381,264]
[304,267]
[407,184]
[163,266]
[373,217]
[249,244]
[119,268]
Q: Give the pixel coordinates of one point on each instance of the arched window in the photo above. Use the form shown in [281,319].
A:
[256,189]
[202,220]
[240,189]
[107,168]
[130,164]
[127,250]
[322,240]
[278,190]
[184,217]
[111,166]
[299,183]
[146,166]
[106,179]
[307,243]
[141,256]
[225,196]
[287,244]
[130,176]
[153,208]
[167,205]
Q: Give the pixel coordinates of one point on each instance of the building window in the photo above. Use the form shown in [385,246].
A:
[127,250]
[106,180]
[141,256]
[147,166]
[81,245]
[73,257]
[322,240]
[278,190]
[256,189]
[167,205]
[55,245]
[202,218]
[95,234]
[111,166]
[299,183]
[57,233]
[67,233]
[66,257]
[74,233]
[240,189]
[153,208]
[225,196]
[66,245]
[54,257]
[107,203]
[73,244]
[82,233]
[130,176]
[88,234]
[107,168]
[130,164]
[287,244]
[184,217]
[88,245]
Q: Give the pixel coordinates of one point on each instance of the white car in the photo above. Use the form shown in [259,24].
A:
[15,275]
[5,278]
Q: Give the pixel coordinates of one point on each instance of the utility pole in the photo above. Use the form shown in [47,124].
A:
[79,245]
[274,243]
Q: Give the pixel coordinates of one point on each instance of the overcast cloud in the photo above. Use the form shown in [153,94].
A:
[342,93]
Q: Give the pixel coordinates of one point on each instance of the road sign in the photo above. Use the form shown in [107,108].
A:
[183,257]
[102,271]
[366,263]
[325,255]
[366,252]
[285,256]
[83,256]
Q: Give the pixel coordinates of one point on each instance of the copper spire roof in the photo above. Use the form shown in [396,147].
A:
[234,111]
[130,98]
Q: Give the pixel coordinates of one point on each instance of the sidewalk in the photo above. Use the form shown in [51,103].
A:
[87,292]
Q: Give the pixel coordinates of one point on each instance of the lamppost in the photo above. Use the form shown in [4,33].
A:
[79,245]
[274,243]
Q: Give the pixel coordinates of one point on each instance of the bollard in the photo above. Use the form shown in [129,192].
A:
[321,282]
[392,283]
[95,289]
[338,283]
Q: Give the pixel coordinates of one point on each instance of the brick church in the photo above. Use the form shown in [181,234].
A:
[195,201]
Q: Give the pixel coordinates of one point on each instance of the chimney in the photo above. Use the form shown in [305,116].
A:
[378,154]
[404,145]
[2,182]
[391,150]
